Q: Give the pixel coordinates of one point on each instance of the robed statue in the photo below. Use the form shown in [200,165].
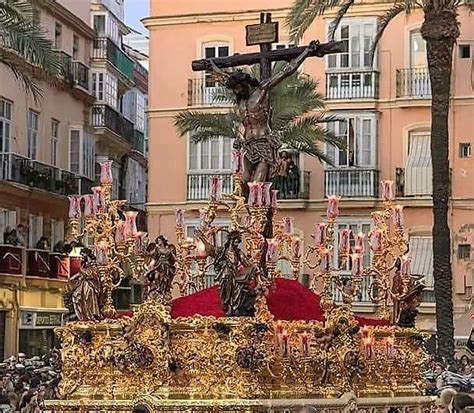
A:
[259,144]
[235,274]
[161,272]
[84,289]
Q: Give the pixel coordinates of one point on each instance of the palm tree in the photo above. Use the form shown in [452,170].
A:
[297,117]
[24,47]
[440,29]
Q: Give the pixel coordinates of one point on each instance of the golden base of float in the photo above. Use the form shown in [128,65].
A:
[205,363]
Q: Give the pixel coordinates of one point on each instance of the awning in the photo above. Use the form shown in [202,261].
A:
[421,253]
[418,170]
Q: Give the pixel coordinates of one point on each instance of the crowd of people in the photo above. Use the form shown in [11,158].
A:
[17,238]
[287,181]
[26,382]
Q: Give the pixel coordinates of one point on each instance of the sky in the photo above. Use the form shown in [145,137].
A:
[134,11]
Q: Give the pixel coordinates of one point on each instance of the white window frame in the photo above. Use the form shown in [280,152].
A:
[86,165]
[33,127]
[7,219]
[54,141]
[359,119]
[418,178]
[6,124]
[363,51]
[57,231]
[200,146]
[35,229]
[212,45]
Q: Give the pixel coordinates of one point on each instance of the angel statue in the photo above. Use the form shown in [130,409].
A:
[259,145]
[159,277]
[234,273]
[82,296]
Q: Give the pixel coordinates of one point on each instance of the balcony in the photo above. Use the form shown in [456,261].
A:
[201,92]
[19,169]
[198,186]
[66,61]
[80,75]
[104,116]
[362,84]
[351,183]
[364,293]
[104,48]
[413,83]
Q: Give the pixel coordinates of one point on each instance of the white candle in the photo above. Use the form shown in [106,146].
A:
[120,237]
[387,190]
[405,266]
[252,193]
[237,162]
[360,242]
[89,206]
[333,206]
[398,216]
[75,206]
[215,188]
[325,260]
[345,242]
[180,218]
[320,234]
[99,198]
[106,176]
[102,253]
[130,224]
[288,225]
[274,198]
[272,250]
[296,247]
[376,240]
[266,194]
[356,264]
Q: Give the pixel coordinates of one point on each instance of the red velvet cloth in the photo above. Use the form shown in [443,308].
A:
[287,300]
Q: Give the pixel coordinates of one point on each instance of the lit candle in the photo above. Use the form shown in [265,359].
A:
[274,201]
[398,216]
[320,234]
[259,194]
[106,176]
[368,347]
[120,237]
[75,206]
[215,188]
[325,260]
[272,250]
[130,224]
[288,225]
[203,215]
[333,206]
[296,247]
[284,343]
[345,242]
[405,266]
[237,162]
[201,249]
[99,198]
[140,243]
[304,344]
[266,194]
[376,240]
[389,348]
[179,215]
[89,206]
[360,242]
[387,190]
[102,252]
[356,264]
[252,193]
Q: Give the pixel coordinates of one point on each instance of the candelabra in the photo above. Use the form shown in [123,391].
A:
[269,239]
[120,249]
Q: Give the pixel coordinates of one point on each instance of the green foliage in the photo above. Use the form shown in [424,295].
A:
[298,116]
[24,47]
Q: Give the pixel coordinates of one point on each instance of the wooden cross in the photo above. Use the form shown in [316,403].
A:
[264,34]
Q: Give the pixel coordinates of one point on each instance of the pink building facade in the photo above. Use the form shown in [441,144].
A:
[385,122]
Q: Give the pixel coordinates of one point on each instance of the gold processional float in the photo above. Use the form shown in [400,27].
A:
[247,360]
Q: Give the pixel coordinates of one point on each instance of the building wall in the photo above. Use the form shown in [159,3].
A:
[184,27]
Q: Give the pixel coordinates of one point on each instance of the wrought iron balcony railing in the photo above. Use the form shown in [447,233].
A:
[413,83]
[297,188]
[104,116]
[22,170]
[80,73]
[351,182]
[363,84]
[104,48]
[202,92]
[66,61]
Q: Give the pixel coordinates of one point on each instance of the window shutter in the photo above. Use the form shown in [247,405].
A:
[418,170]
[75,151]
[193,155]
[364,137]
[355,45]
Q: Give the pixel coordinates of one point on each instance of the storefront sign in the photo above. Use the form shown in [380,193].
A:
[34,319]
[261,33]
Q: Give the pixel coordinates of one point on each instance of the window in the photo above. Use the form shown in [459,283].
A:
[105,88]
[58,36]
[421,253]
[7,219]
[98,85]
[417,50]
[5,125]
[210,155]
[99,23]
[35,229]
[418,170]
[57,231]
[357,36]
[135,183]
[82,152]
[464,150]
[33,121]
[464,251]
[358,133]
[75,47]
[464,51]
[54,141]
[211,51]
[282,46]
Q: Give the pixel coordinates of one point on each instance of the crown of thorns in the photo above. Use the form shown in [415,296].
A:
[241,77]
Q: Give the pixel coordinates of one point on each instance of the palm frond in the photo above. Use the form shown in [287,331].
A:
[202,126]
[339,16]
[301,15]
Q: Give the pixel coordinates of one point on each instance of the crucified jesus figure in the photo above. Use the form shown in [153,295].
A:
[259,145]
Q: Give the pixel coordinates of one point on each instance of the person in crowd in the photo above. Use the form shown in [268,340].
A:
[282,177]
[293,179]
[43,244]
